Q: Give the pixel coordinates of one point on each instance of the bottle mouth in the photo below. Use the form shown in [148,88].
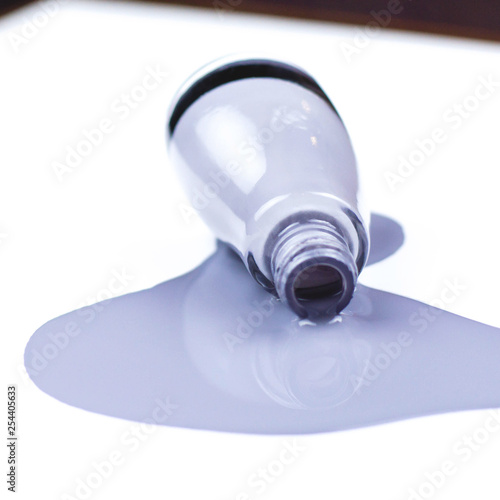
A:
[318,289]
[314,273]
[317,281]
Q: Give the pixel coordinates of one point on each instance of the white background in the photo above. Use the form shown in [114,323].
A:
[123,208]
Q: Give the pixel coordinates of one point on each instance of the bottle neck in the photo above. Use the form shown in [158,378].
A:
[313,269]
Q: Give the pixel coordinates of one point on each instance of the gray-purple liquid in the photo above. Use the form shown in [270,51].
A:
[232,358]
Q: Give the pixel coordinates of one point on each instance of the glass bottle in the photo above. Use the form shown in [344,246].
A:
[268,164]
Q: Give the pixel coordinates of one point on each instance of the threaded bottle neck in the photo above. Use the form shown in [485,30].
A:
[313,269]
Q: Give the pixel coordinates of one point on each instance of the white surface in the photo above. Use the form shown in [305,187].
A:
[122,208]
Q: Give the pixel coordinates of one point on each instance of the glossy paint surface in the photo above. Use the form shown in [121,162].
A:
[232,358]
